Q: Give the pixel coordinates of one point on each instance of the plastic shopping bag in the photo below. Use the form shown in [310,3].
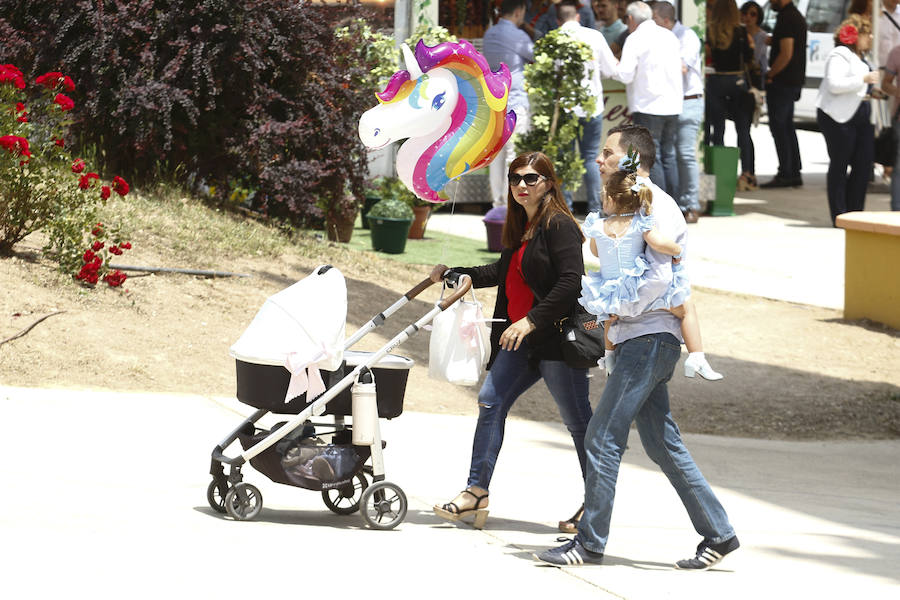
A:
[460,344]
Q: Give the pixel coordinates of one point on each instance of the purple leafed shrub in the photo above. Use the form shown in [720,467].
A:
[258,89]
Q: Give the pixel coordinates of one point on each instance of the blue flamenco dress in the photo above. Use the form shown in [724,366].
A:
[614,289]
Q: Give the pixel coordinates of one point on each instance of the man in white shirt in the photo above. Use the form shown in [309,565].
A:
[692,112]
[603,63]
[506,43]
[650,68]
[888,32]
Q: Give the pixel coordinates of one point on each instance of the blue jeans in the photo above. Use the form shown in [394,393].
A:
[725,100]
[849,144]
[664,129]
[589,147]
[508,379]
[780,104]
[636,391]
[686,150]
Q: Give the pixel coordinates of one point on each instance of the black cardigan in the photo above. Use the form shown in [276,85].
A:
[552,266]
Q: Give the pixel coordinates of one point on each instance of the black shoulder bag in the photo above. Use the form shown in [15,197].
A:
[581,338]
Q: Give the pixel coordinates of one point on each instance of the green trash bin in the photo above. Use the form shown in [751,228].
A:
[722,161]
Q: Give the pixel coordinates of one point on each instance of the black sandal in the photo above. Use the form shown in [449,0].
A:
[570,525]
[451,512]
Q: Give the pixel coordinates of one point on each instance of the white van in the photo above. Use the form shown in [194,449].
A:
[822,19]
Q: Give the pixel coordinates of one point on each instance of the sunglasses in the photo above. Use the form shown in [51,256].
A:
[529,179]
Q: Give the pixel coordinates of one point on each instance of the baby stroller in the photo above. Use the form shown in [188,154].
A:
[296,332]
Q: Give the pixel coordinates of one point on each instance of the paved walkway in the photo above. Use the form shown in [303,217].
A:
[104,497]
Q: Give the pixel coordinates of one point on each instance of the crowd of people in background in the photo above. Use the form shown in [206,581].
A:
[748,71]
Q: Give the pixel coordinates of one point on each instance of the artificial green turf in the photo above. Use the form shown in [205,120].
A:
[435,248]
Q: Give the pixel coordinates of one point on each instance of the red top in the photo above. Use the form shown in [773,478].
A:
[519,297]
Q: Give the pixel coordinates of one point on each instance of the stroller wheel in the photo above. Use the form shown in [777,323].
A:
[243,502]
[383,505]
[215,495]
[345,500]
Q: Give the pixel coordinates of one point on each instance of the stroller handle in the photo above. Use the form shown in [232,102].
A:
[462,288]
[422,286]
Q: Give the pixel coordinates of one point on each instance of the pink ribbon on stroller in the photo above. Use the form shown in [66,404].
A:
[305,375]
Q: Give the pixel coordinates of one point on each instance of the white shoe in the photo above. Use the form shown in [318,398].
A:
[696,363]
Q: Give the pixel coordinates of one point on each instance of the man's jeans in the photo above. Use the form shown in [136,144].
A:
[589,147]
[664,129]
[499,167]
[508,379]
[686,150]
[780,104]
[636,391]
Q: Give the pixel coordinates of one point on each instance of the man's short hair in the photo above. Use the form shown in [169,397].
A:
[664,10]
[637,137]
[508,7]
[639,11]
[567,10]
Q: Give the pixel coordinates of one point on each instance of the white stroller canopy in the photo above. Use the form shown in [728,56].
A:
[305,321]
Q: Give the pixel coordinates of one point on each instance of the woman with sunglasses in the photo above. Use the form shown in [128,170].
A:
[538,276]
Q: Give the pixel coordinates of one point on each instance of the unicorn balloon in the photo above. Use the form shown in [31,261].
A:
[450,106]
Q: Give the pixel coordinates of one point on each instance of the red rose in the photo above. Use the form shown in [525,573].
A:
[89,273]
[126,245]
[49,80]
[104,192]
[115,250]
[19,108]
[88,256]
[65,103]
[84,182]
[60,142]
[78,166]
[9,73]
[68,84]
[97,246]
[115,279]
[98,229]
[15,145]
[120,185]
[23,118]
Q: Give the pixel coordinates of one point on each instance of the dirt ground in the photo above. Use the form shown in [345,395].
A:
[791,371]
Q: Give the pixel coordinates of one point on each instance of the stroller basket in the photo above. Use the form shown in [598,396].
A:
[264,386]
[304,462]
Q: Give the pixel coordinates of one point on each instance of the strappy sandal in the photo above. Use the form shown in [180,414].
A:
[451,512]
[570,525]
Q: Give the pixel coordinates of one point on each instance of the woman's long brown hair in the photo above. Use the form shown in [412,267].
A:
[553,203]
[724,18]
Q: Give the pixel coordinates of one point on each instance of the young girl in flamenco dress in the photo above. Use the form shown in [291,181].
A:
[619,240]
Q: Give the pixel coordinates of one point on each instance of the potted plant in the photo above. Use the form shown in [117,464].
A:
[392,187]
[340,215]
[389,220]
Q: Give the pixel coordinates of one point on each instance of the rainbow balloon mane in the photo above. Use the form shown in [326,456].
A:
[479,124]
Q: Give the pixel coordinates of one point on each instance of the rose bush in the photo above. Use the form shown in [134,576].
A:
[41,186]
